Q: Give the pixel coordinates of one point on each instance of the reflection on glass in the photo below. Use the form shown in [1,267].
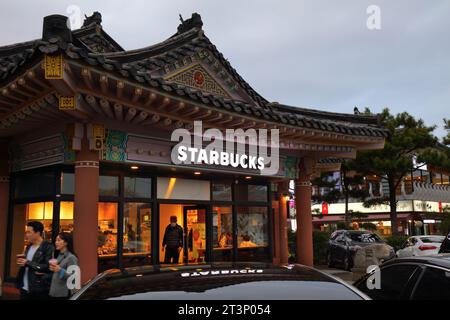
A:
[136,233]
[252,227]
[66,216]
[108,186]
[221,191]
[249,192]
[138,187]
[24,213]
[35,185]
[222,233]
[253,233]
[107,234]
[67,183]
[196,229]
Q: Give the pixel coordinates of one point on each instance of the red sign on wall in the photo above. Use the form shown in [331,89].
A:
[324,208]
[440,206]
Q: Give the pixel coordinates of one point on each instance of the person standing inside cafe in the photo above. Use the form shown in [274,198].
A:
[34,275]
[172,241]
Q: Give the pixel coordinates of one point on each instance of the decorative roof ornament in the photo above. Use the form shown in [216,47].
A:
[95,18]
[56,28]
[194,22]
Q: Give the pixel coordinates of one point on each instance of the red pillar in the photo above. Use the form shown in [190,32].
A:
[276,232]
[284,250]
[4,201]
[86,210]
[304,217]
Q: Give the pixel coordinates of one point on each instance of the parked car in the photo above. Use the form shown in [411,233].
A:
[343,245]
[420,246]
[218,282]
[413,278]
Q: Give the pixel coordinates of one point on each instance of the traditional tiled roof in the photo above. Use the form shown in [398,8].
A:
[147,66]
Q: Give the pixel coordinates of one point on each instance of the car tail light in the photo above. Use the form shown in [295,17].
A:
[427,248]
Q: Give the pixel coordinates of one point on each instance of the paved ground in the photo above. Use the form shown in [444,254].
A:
[9,292]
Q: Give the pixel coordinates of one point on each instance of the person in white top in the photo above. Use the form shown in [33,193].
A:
[34,275]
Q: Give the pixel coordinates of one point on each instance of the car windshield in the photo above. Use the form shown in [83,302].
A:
[432,239]
[364,237]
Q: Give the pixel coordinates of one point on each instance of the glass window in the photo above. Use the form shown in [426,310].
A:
[66,216]
[189,189]
[249,192]
[107,235]
[434,285]
[67,183]
[108,186]
[222,233]
[394,280]
[35,185]
[138,187]
[221,191]
[445,179]
[436,178]
[136,233]
[253,233]
[24,213]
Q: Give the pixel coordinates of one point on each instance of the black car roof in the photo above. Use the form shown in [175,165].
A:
[176,270]
[198,278]
[440,260]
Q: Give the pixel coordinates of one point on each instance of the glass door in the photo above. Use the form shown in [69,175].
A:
[194,234]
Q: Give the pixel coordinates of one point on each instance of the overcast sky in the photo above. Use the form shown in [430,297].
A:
[311,53]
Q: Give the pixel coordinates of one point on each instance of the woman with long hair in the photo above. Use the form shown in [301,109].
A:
[59,288]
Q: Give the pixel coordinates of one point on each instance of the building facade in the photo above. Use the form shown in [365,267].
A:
[86,136]
[423,198]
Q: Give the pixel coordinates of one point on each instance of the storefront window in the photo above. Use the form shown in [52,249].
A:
[138,187]
[67,183]
[189,189]
[436,178]
[445,179]
[66,216]
[250,192]
[253,233]
[108,186]
[222,233]
[107,235]
[136,234]
[35,185]
[221,191]
[24,213]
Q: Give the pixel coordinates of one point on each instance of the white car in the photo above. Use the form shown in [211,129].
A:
[421,246]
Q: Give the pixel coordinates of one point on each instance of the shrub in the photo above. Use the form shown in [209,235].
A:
[320,243]
[396,241]
[369,226]
[292,246]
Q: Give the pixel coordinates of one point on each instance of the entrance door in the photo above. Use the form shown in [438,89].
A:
[194,218]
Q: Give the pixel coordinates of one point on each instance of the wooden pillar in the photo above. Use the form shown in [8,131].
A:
[86,210]
[276,232]
[284,250]
[304,217]
[4,201]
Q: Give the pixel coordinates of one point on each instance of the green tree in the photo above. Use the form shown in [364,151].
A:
[350,183]
[408,137]
[446,139]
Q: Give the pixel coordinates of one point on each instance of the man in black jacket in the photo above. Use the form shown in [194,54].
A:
[172,241]
[34,277]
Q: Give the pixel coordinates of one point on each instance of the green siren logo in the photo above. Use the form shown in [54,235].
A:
[247,149]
